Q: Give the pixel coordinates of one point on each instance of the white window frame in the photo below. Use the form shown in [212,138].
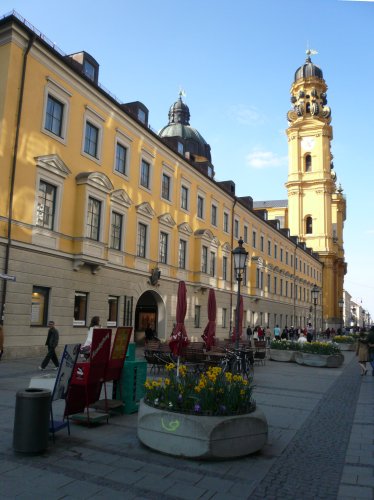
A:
[185,186]
[168,245]
[236,228]
[202,198]
[185,255]
[146,223]
[214,208]
[62,95]
[226,214]
[99,196]
[125,142]
[97,121]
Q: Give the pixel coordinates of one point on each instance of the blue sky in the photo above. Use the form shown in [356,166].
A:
[236,61]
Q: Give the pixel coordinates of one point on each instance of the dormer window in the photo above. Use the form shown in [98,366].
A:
[89,70]
[141,115]
[180,148]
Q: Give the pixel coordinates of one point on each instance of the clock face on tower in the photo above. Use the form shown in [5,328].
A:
[307,143]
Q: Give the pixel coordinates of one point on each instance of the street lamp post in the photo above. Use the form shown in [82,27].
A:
[315,293]
[341,305]
[240,259]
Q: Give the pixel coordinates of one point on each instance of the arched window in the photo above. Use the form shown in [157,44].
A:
[308,163]
[308,225]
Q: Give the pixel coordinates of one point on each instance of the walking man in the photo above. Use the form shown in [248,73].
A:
[51,343]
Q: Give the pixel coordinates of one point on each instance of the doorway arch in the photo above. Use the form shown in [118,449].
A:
[150,308]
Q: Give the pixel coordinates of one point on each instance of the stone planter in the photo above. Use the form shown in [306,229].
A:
[343,346]
[321,360]
[201,437]
[282,355]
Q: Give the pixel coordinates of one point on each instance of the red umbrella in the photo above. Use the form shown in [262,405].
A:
[210,329]
[179,338]
[240,321]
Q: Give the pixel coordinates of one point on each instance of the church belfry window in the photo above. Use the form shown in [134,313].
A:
[308,225]
[308,163]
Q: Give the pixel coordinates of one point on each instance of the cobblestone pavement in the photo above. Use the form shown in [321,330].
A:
[320,446]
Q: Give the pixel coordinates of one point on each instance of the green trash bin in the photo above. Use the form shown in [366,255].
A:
[134,375]
[31,420]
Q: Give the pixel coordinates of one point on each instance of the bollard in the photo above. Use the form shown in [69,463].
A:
[31,420]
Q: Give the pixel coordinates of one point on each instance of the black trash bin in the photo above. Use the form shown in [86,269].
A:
[31,420]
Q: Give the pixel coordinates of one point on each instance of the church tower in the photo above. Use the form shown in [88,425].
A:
[316,207]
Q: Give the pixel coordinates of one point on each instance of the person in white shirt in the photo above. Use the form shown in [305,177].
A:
[302,338]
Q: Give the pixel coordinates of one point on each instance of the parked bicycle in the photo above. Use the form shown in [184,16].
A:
[239,362]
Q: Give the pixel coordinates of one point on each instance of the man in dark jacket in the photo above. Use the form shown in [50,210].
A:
[51,343]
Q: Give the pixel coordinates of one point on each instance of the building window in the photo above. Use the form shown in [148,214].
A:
[164,247]
[269,247]
[236,229]
[80,308]
[45,212]
[286,258]
[91,140]
[200,207]
[142,240]
[261,243]
[121,155]
[254,239]
[145,171]
[224,267]
[212,267]
[165,189]
[281,254]
[213,216]
[116,231]
[224,318]
[197,316]
[275,251]
[89,70]
[281,286]
[226,222]
[180,148]
[275,284]
[184,198]
[112,311]
[54,116]
[93,219]
[291,260]
[291,290]
[39,306]
[309,225]
[269,283]
[204,260]
[286,291]
[182,254]
[245,234]
[141,115]
[308,163]
[127,310]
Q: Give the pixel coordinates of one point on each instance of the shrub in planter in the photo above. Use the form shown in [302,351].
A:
[283,350]
[344,339]
[210,393]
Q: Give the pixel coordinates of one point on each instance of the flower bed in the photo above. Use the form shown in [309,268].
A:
[323,354]
[208,415]
[210,393]
[345,342]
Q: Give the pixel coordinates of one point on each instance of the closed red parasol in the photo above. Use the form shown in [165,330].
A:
[179,338]
[234,336]
[210,329]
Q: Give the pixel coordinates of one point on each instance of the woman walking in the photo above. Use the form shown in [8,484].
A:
[362,351]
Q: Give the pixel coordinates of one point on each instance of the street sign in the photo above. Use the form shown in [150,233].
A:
[7,277]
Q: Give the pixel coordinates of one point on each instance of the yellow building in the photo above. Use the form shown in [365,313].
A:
[99,215]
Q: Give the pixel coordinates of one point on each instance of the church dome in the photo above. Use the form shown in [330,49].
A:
[179,124]
[179,133]
[308,70]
